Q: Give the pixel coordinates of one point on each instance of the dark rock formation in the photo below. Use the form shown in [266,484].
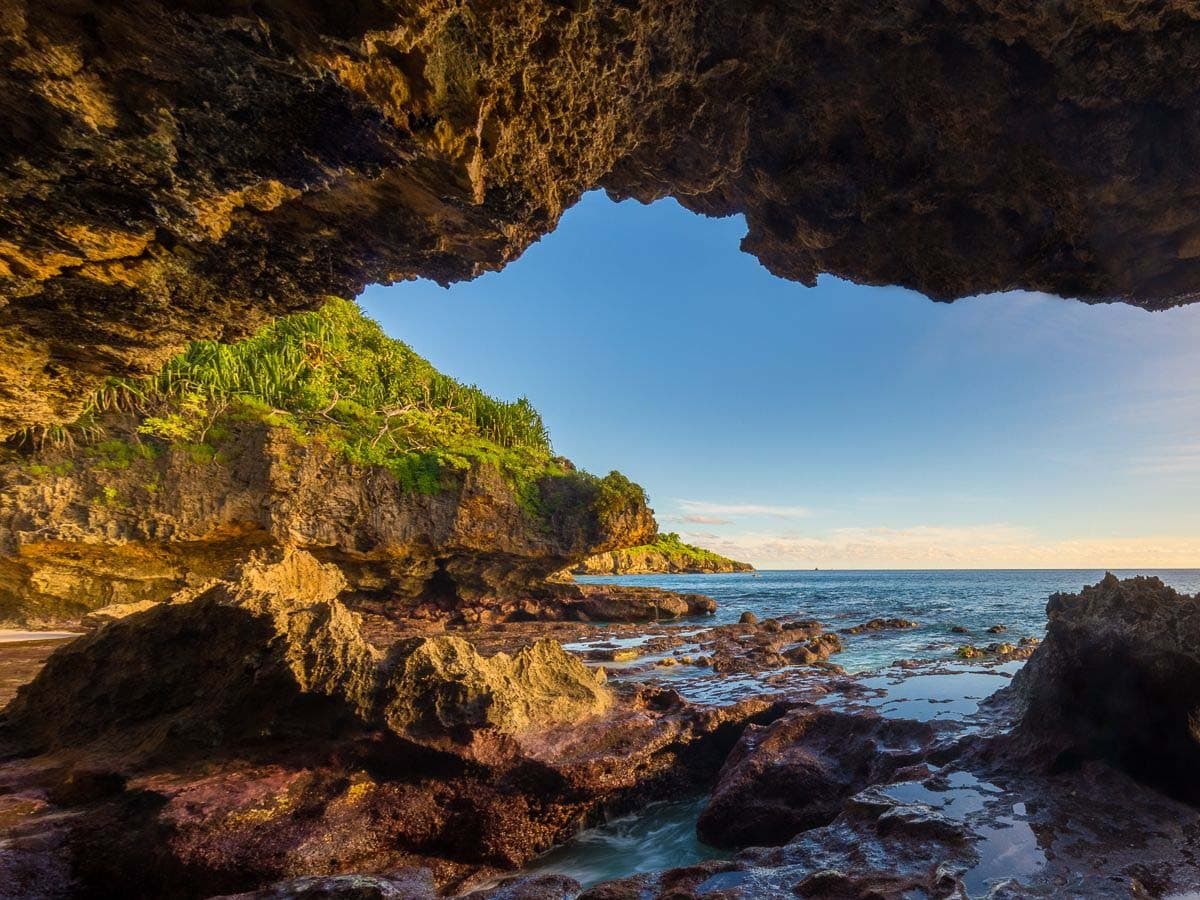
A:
[880,625]
[277,653]
[251,732]
[175,170]
[798,772]
[77,534]
[1117,678]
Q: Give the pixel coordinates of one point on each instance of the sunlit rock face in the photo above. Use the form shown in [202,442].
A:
[174,170]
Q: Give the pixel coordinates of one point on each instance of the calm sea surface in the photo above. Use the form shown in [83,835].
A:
[938,600]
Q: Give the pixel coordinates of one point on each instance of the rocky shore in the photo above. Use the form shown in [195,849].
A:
[666,554]
[260,738]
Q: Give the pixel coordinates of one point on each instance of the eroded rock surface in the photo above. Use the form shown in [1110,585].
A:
[251,732]
[798,772]
[1117,678]
[176,171]
[77,534]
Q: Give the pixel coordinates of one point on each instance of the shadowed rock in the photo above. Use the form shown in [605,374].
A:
[177,171]
[798,772]
[268,649]
[1117,678]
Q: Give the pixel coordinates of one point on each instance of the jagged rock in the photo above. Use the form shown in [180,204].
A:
[530,887]
[66,549]
[177,172]
[115,611]
[797,773]
[411,884]
[622,603]
[816,650]
[442,685]
[271,648]
[1116,678]
[251,732]
[747,618]
[880,625]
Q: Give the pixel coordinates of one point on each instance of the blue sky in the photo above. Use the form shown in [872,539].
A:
[840,426]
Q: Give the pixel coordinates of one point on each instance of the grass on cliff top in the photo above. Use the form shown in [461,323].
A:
[670,543]
[332,375]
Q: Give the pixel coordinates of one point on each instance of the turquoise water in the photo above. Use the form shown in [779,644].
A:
[938,600]
[663,835]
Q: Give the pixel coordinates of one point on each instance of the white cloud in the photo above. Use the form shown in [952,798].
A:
[701,519]
[981,546]
[721,510]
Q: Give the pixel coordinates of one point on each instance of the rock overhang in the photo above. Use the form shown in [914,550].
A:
[177,170]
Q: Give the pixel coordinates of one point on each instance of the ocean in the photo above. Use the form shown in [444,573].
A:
[664,835]
[937,600]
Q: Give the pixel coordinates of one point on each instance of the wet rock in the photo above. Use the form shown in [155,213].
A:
[1117,678]
[798,772]
[997,629]
[880,625]
[747,618]
[530,887]
[616,654]
[409,884]
[814,651]
[959,629]
[620,603]
[252,733]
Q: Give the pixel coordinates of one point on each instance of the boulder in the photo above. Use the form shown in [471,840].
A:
[1117,678]
[880,625]
[269,649]
[441,685]
[797,773]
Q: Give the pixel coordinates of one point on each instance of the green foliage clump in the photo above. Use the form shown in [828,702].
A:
[671,544]
[335,377]
[336,372]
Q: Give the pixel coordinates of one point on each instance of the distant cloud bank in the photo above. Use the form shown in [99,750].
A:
[934,547]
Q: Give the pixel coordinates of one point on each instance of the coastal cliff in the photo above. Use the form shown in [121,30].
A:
[427,497]
[666,554]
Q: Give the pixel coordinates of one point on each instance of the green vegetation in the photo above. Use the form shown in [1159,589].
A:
[671,544]
[335,377]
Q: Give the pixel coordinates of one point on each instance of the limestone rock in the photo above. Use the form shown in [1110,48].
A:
[270,649]
[652,561]
[67,549]
[175,171]
[441,685]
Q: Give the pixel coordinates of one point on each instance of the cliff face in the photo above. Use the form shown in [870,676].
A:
[652,560]
[77,533]
[175,170]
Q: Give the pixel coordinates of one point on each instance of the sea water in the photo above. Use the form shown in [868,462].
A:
[937,600]
[663,835]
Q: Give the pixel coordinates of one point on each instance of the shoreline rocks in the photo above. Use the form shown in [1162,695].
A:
[251,731]
[1117,678]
